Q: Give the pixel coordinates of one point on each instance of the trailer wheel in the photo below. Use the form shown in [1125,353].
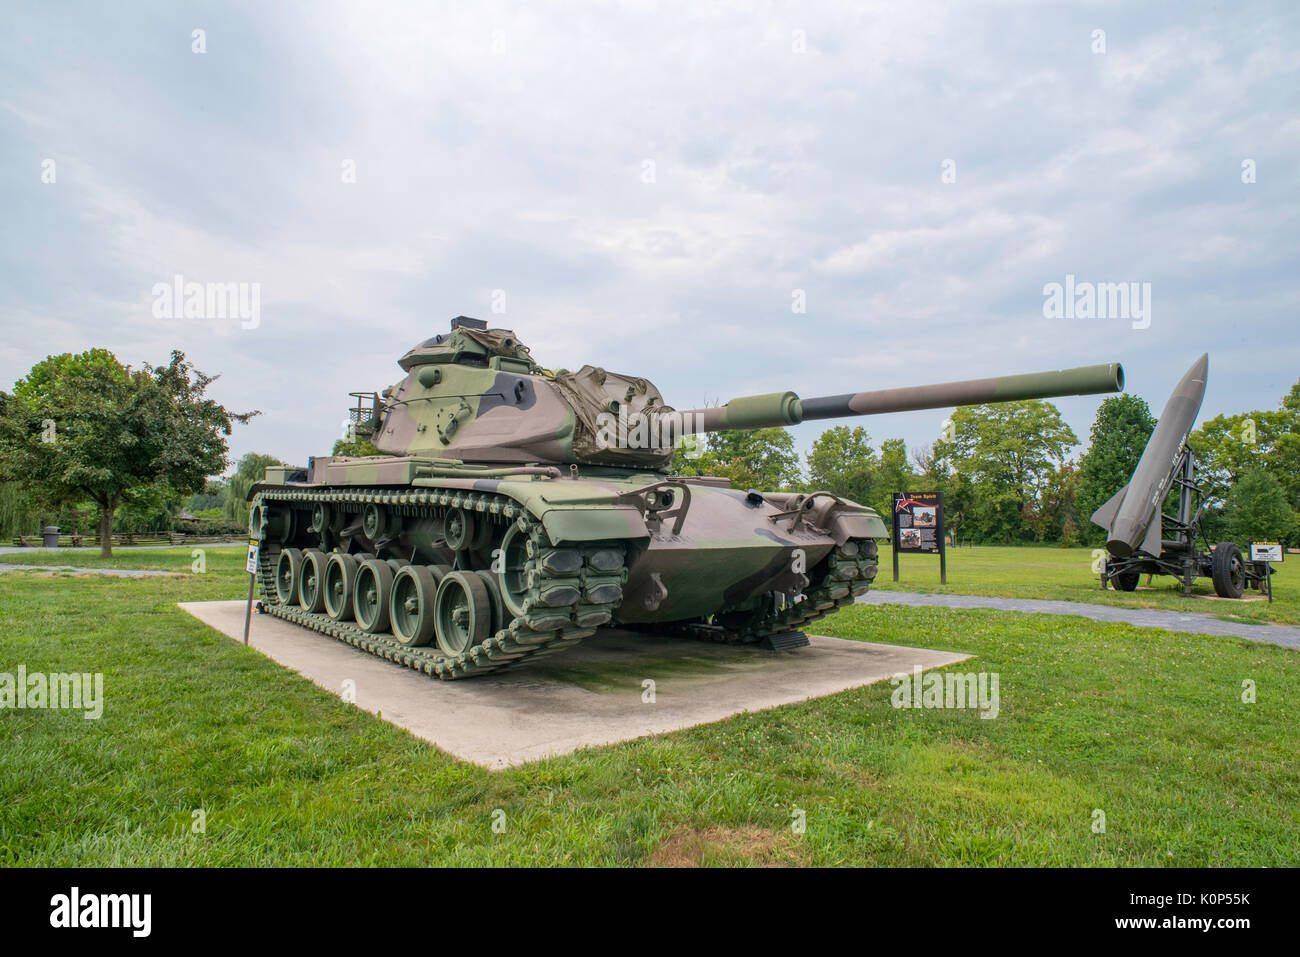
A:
[1127,581]
[1228,571]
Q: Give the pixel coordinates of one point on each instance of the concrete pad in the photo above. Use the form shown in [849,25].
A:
[589,695]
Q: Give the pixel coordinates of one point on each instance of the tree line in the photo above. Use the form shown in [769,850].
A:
[86,442]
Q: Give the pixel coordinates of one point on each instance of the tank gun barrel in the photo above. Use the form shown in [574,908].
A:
[786,408]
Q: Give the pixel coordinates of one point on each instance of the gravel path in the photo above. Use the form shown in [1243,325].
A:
[1193,622]
[18,550]
[121,572]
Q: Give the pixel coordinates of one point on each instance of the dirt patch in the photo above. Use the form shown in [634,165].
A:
[700,847]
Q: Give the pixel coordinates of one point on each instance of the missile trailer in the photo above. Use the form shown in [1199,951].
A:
[512,511]
[1134,517]
[1179,555]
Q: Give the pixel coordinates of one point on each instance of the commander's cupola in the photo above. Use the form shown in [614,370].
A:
[471,343]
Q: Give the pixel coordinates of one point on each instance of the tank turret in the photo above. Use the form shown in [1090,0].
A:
[476,395]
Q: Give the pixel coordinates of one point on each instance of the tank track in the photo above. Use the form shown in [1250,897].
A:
[593,573]
[846,573]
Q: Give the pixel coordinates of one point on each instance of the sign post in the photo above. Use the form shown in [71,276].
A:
[918,528]
[1265,552]
[251,565]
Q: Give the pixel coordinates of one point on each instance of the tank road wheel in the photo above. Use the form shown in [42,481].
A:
[340,576]
[373,522]
[499,619]
[569,590]
[512,570]
[462,613]
[1127,581]
[320,517]
[268,523]
[1228,571]
[256,519]
[411,608]
[311,581]
[372,590]
[458,529]
[288,569]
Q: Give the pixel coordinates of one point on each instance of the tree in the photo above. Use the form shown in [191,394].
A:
[18,516]
[357,448]
[148,508]
[1120,432]
[251,468]
[1053,516]
[959,501]
[895,475]
[928,467]
[1228,446]
[86,428]
[212,496]
[1257,509]
[1011,453]
[842,461]
[1284,462]
[763,459]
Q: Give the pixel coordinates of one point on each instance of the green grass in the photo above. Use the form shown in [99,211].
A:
[216,558]
[1147,726]
[1054,573]
[1066,574]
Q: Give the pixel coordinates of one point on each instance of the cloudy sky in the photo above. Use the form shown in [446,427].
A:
[653,187]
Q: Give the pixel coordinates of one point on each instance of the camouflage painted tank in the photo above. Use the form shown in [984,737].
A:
[513,511]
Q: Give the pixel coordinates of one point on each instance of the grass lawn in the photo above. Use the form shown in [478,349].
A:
[1056,573]
[1066,574]
[1144,725]
[216,558]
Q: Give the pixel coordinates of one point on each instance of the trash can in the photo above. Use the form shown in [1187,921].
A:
[50,534]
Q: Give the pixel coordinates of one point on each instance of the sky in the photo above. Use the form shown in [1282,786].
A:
[726,199]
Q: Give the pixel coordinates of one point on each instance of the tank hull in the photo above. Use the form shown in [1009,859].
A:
[629,548]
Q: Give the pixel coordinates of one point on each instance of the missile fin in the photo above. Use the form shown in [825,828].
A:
[1106,514]
[1151,543]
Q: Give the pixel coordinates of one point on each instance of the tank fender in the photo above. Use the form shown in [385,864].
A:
[592,524]
[840,518]
[865,524]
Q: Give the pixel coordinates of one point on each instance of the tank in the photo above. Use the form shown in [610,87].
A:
[513,511]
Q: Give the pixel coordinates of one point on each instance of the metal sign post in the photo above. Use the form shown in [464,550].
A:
[918,528]
[1261,554]
[251,565]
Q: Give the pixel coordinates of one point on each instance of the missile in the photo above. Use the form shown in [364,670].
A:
[1132,516]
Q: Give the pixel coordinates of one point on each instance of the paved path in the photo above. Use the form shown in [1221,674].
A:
[122,572]
[19,550]
[1193,622]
